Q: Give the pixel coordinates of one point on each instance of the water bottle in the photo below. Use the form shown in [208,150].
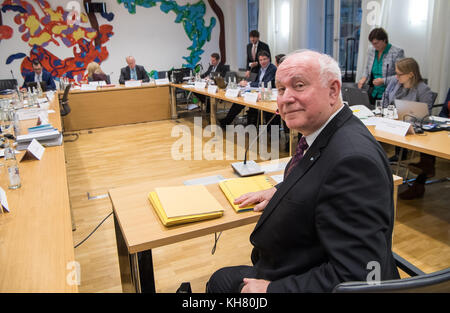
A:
[269,91]
[40,94]
[12,168]
[16,123]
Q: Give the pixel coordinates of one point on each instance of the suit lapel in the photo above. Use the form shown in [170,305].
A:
[128,73]
[309,159]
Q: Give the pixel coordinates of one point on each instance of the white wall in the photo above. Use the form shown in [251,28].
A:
[408,30]
[150,35]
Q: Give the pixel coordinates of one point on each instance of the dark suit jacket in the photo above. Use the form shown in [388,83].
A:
[141,74]
[331,216]
[261,46]
[46,77]
[269,76]
[220,68]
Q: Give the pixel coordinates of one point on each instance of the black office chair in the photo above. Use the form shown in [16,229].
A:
[8,84]
[65,110]
[64,101]
[419,282]
[230,74]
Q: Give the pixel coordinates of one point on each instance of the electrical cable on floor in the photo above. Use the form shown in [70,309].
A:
[93,230]
[216,239]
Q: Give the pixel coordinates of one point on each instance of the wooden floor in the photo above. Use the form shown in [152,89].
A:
[111,157]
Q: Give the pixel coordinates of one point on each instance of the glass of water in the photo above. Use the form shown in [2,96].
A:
[378,108]
[390,111]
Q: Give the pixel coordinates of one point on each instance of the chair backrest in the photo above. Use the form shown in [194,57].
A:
[434,282]
[162,74]
[230,74]
[355,96]
[435,94]
[8,84]
[64,101]
[252,77]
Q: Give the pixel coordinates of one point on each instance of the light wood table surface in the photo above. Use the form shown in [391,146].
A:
[433,143]
[119,105]
[36,244]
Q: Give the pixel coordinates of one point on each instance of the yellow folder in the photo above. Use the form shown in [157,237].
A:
[197,204]
[236,187]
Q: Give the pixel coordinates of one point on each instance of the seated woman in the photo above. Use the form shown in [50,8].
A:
[409,85]
[95,73]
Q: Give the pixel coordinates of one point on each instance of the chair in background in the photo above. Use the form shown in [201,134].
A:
[418,282]
[64,101]
[8,84]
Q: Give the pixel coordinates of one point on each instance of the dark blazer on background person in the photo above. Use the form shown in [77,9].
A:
[269,76]
[220,69]
[261,46]
[141,74]
[46,78]
[332,217]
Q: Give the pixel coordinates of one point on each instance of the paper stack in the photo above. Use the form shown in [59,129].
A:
[191,204]
[236,187]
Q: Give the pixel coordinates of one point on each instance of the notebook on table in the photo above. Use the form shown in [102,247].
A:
[191,204]
[236,187]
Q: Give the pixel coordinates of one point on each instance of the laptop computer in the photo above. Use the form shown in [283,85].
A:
[406,108]
[356,96]
[34,84]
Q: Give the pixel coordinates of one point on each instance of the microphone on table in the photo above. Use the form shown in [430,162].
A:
[15,81]
[250,168]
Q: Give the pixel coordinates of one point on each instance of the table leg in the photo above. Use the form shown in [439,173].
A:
[136,270]
[173,103]
[124,260]
[213,109]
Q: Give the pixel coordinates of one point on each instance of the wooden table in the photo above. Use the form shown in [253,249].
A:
[138,228]
[119,105]
[433,143]
[262,106]
[36,244]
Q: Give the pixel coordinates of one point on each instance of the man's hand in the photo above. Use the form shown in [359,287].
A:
[261,197]
[243,83]
[253,64]
[361,82]
[378,82]
[247,74]
[255,285]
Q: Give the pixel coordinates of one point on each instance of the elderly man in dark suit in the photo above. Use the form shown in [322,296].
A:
[253,49]
[133,72]
[331,219]
[39,75]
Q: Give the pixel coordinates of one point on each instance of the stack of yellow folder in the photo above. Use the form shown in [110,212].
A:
[236,187]
[184,204]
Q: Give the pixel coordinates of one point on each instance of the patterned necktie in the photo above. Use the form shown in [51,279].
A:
[301,148]
[254,52]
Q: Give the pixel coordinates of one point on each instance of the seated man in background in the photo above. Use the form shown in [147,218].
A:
[133,72]
[215,66]
[331,219]
[39,75]
[266,74]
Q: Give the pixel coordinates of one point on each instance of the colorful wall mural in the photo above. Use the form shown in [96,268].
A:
[41,26]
